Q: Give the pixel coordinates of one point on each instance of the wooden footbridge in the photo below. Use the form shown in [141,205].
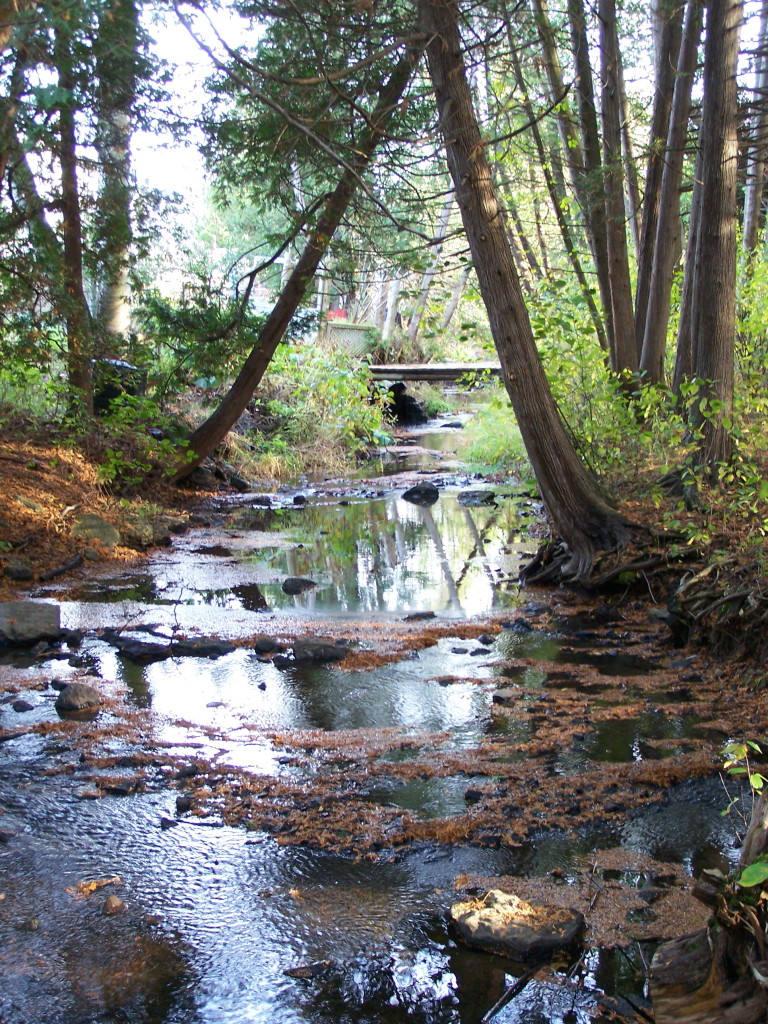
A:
[432,371]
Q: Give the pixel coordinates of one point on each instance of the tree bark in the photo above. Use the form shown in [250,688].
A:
[579,513]
[715,280]
[555,196]
[668,19]
[593,194]
[215,428]
[668,241]
[116,68]
[429,273]
[624,356]
[76,312]
[753,190]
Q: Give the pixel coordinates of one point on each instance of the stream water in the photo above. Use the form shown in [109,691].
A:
[215,916]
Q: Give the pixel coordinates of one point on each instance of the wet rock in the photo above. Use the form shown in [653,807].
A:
[27,622]
[183,804]
[18,569]
[299,499]
[421,494]
[283,661]
[78,697]
[297,585]
[144,652]
[318,649]
[239,483]
[6,836]
[58,684]
[89,526]
[113,906]
[198,519]
[486,639]
[418,616]
[478,651]
[473,796]
[22,705]
[476,497]
[502,923]
[266,645]
[506,698]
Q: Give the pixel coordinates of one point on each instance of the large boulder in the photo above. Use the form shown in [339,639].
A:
[27,622]
[502,923]
[89,526]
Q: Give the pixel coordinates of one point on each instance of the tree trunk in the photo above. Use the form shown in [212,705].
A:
[594,197]
[76,313]
[687,327]
[753,190]
[706,977]
[624,356]
[580,515]
[556,196]
[715,280]
[116,69]
[668,240]
[668,19]
[429,273]
[203,440]
[633,200]
[456,294]
[390,317]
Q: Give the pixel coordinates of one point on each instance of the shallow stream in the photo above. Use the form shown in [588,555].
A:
[214,915]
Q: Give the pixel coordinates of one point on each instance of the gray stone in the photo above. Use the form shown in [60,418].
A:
[476,497]
[93,527]
[297,585]
[26,622]
[317,649]
[19,570]
[502,923]
[200,479]
[78,697]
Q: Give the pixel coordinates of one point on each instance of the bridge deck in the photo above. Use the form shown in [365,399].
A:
[431,371]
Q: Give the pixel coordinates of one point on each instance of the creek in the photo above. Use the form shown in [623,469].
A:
[227,924]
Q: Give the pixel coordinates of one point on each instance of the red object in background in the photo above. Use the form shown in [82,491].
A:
[336,314]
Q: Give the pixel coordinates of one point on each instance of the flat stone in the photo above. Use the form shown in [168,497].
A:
[266,645]
[506,698]
[26,622]
[503,923]
[317,649]
[144,652]
[78,697]
[89,526]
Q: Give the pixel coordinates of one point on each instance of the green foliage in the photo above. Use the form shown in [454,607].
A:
[138,440]
[203,336]
[494,438]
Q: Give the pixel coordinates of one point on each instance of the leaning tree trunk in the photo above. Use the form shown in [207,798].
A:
[203,440]
[668,241]
[580,515]
[426,281]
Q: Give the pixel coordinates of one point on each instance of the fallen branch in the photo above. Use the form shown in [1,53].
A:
[73,563]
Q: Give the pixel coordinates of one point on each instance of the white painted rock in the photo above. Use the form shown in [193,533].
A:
[502,923]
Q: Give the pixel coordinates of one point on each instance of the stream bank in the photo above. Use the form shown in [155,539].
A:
[285,836]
